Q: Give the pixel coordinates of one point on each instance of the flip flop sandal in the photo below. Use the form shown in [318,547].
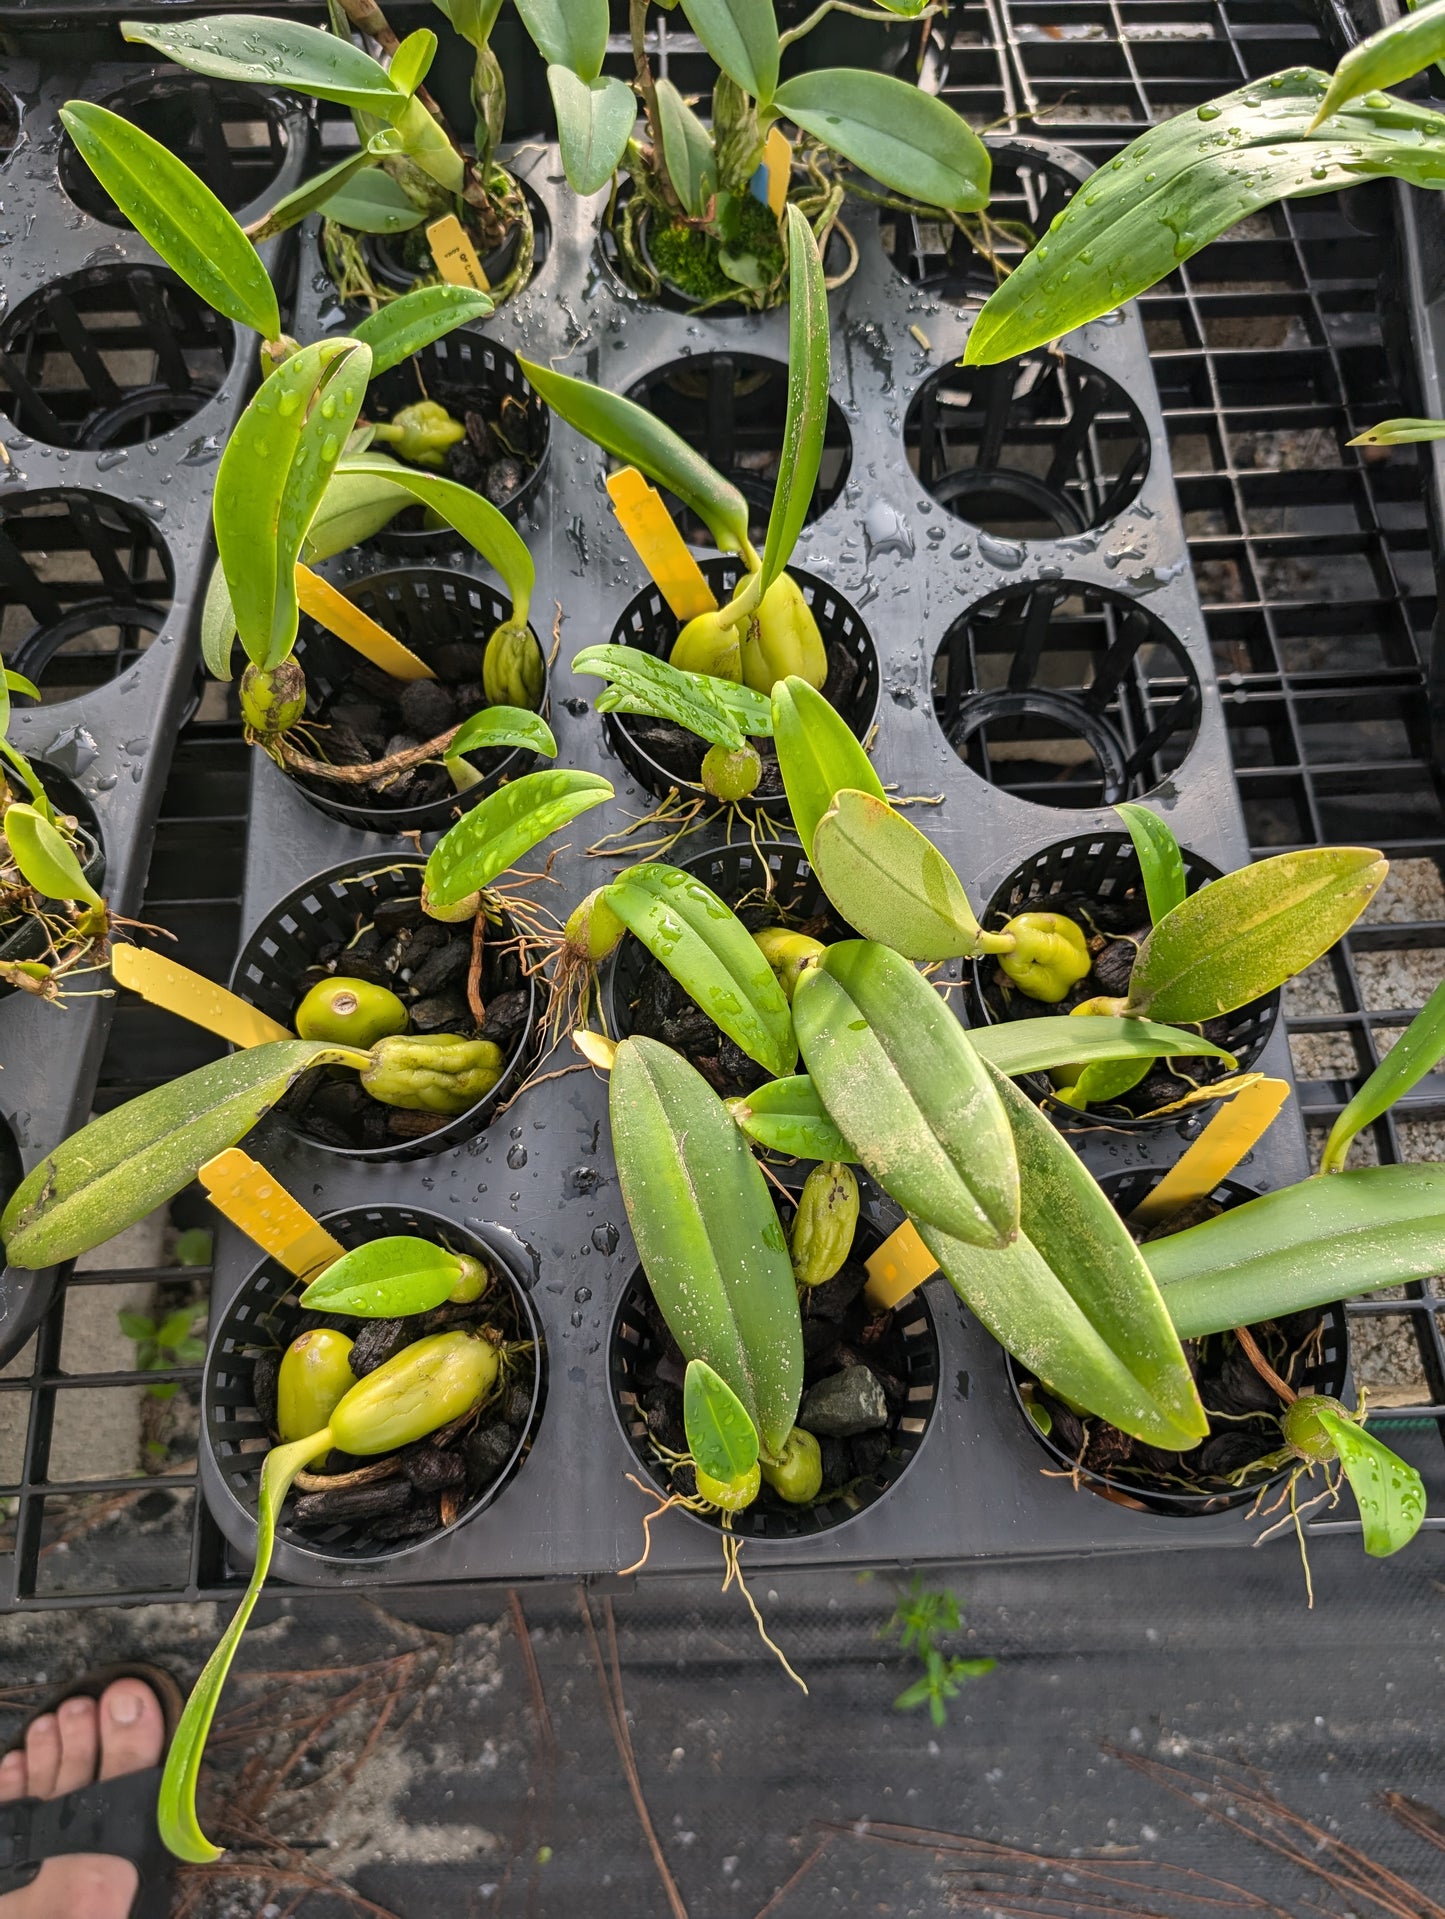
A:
[115,1816]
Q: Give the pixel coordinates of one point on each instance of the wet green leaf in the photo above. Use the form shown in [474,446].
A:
[1397,52]
[503,726]
[568,33]
[372,202]
[1389,1494]
[639,682]
[385,1279]
[476,519]
[177,214]
[1041,1045]
[218,625]
[818,755]
[354,506]
[1415,1053]
[266,51]
[294,206]
[889,881]
[595,119]
[1399,433]
[707,1232]
[687,151]
[906,139]
[505,825]
[720,1436]
[1161,863]
[787,1116]
[403,327]
[807,415]
[45,857]
[742,37]
[412,60]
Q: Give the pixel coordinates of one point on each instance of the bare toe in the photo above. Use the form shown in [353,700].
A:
[12,1777]
[42,1755]
[132,1728]
[79,1745]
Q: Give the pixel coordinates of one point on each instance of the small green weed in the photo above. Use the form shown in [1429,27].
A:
[920,1619]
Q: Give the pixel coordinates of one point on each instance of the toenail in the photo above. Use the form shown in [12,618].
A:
[125,1707]
[75,1708]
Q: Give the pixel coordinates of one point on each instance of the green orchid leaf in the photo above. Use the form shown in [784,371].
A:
[1160,861]
[372,202]
[1305,1246]
[630,433]
[889,881]
[1397,52]
[1042,1045]
[742,37]
[1247,933]
[403,327]
[136,1157]
[1399,433]
[177,214]
[218,626]
[1072,1297]
[1389,1493]
[293,207]
[385,1279]
[595,119]
[426,143]
[45,857]
[818,755]
[354,506]
[480,524]
[271,480]
[1415,1053]
[720,1436]
[1182,184]
[906,139]
[14,682]
[568,33]
[412,60]
[639,682]
[31,779]
[503,726]
[807,417]
[712,956]
[1103,1081]
[504,826]
[899,1077]
[707,1232]
[787,1116]
[180,1829]
[472,19]
[906,9]
[266,51]
[687,151]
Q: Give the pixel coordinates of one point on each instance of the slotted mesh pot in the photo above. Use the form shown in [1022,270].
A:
[265,1315]
[1100,872]
[1327,1372]
[329,908]
[649,623]
[426,608]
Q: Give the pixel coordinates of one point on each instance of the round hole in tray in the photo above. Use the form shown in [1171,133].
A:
[1066,694]
[399,260]
[9,123]
[429,609]
[731,408]
[264,1315]
[637,1339]
[110,357]
[328,912]
[775,879]
[85,585]
[467,372]
[1027,189]
[1098,874]
[1322,1366]
[232,135]
[660,755]
[1037,448]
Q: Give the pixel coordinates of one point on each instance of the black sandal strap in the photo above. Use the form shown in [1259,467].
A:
[115,1816]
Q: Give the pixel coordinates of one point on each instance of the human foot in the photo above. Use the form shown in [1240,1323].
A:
[63,1751]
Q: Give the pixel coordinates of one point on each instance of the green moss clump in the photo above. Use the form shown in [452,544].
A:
[688,256]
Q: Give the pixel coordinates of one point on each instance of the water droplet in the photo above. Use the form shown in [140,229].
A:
[516,1157]
[604,1238]
[1004,554]
[1209,111]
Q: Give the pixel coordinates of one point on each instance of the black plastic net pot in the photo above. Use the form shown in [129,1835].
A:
[401,260]
[767,886]
[315,930]
[445,618]
[903,1345]
[508,435]
[662,756]
[1309,1350]
[25,938]
[110,357]
[1098,874]
[731,407]
[265,1316]
[234,136]
[1036,448]
[1064,693]
[85,585]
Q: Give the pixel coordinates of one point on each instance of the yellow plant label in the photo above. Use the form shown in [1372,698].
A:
[192,996]
[1233,1131]
[659,545]
[901,1263]
[250,1198]
[455,255]
[330,608]
[778,159]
